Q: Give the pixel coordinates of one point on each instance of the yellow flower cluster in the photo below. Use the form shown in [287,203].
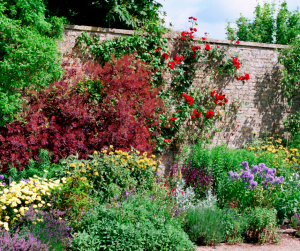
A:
[17,198]
[278,153]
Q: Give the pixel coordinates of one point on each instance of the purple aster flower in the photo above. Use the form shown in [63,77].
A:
[1,177]
[4,184]
[245,164]
[150,197]
[116,197]
[155,173]
[157,180]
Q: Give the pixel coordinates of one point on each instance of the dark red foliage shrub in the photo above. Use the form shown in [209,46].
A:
[70,116]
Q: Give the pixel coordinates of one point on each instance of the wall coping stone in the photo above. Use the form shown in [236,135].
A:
[210,40]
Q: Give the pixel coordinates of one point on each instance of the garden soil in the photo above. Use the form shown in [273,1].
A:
[286,243]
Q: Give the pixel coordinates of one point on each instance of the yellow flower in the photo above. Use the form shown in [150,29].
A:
[83,170]
[95,152]
[96,173]
[45,171]
[254,132]
[104,151]
[48,204]
[132,169]
[111,153]
[145,154]
[83,178]
[137,152]
[111,146]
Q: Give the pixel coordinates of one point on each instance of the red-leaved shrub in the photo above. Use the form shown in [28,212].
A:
[70,117]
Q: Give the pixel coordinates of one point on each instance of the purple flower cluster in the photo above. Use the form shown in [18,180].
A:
[52,229]
[2,178]
[25,180]
[265,174]
[21,242]
[198,177]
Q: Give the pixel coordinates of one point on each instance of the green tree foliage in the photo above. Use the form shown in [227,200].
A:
[290,81]
[28,51]
[266,28]
[123,14]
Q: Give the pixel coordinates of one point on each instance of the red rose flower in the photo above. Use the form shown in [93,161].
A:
[193,117]
[238,42]
[212,93]
[215,101]
[220,104]
[247,76]
[205,33]
[218,46]
[165,140]
[195,19]
[207,47]
[169,141]
[194,55]
[225,100]
[191,36]
[195,112]
[203,38]
[195,29]
[165,55]
[183,33]
[198,115]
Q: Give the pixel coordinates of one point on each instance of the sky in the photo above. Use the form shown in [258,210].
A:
[212,15]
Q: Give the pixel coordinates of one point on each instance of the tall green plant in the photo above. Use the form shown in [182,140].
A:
[29,56]
[266,27]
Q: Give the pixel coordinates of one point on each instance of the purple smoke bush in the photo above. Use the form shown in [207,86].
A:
[264,174]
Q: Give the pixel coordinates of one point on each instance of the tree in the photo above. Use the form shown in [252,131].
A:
[265,28]
[29,56]
[122,14]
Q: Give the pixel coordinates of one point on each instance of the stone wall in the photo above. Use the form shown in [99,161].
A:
[258,104]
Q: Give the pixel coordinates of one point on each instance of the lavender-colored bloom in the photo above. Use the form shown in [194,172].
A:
[1,177]
[3,183]
[255,169]
[150,197]
[116,197]
[245,164]
[157,180]
[52,230]
[25,241]
[126,195]
[267,175]
[155,173]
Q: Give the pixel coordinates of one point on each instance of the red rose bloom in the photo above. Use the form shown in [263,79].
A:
[215,101]
[220,104]
[195,112]
[238,42]
[194,55]
[183,33]
[195,29]
[198,115]
[218,46]
[247,76]
[203,38]
[212,93]
[195,19]
[225,100]
[207,47]
[169,141]
[193,117]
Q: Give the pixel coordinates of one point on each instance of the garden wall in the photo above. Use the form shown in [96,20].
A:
[255,106]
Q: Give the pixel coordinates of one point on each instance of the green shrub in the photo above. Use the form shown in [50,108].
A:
[41,168]
[112,172]
[235,225]
[221,160]
[261,225]
[142,222]
[205,225]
